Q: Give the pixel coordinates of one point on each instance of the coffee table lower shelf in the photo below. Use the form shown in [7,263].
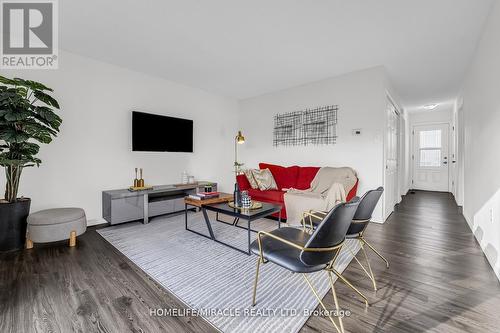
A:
[221,207]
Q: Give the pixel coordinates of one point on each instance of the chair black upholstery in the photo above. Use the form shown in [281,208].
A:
[356,229]
[301,252]
[364,212]
[330,233]
[283,254]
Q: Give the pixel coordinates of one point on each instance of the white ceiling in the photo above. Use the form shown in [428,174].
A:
[246,48]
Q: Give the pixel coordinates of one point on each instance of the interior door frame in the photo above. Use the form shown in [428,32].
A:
[397,184]
[412,147]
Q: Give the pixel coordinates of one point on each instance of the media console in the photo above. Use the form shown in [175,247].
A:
[122,205]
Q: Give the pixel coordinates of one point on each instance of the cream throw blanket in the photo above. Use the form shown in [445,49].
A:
[328,188]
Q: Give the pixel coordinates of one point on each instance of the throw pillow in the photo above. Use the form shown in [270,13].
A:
[264,179]
[285,177]
[253,184]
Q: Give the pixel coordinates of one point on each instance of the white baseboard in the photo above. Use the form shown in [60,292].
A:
[96,221]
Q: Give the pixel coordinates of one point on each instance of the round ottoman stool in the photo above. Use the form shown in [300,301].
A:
[56,224]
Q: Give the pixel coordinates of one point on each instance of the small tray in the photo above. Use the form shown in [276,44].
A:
[142,188]
[255,205]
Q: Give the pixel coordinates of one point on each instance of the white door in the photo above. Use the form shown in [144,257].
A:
[430,157]
[391,160]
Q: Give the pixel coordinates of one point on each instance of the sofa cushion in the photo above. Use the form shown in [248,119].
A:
[56,216]
[251,179]
[243,183]
[285,177]
[267,196]
[305,177]
[264,179]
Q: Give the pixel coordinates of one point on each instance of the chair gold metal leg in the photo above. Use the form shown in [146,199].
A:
[349,284]
[363,267]
[376,252]
[370,274]
[336,301]
[303,221]
[322,304]
[256,280]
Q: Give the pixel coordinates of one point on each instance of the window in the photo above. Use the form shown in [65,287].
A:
[430,139]
[430,148]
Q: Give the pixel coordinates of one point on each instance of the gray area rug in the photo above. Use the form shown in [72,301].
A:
[213,278]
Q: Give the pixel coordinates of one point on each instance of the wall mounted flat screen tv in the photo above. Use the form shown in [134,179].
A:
[152,132]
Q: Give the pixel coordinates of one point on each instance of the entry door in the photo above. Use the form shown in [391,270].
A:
[430,157]
[391,162]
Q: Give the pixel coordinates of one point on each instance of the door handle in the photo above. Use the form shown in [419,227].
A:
[445,162]
[453,161]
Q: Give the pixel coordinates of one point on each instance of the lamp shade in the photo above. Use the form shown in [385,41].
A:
[240,138]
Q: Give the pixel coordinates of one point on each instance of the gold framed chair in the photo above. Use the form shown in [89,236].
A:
[301,252]
[356,230]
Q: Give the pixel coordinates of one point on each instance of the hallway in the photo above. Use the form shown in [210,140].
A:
[439,279]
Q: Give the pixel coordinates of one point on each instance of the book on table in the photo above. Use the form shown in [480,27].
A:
[204,195]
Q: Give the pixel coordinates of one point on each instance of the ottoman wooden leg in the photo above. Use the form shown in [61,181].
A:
[72,239]
[29,243]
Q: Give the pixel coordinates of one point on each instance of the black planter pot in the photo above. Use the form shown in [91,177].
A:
[13,224]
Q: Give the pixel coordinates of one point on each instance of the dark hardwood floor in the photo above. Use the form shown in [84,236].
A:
[439,280]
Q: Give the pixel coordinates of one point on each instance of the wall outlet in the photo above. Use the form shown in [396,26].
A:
[356,131]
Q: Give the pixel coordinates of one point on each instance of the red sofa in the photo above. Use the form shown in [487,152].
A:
[286,177]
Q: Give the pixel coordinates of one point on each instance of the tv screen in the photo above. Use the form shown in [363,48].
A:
[152,132]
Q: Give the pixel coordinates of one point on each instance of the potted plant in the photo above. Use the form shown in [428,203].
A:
[27,118]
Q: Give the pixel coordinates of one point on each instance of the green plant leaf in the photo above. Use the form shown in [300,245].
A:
[30,84]
[19,162]
[47,99]
[39,132]
[17,116]
[48,117]
[5,80]
[11,135]
[28,149]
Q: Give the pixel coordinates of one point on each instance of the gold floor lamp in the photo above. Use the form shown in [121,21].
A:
[238,140]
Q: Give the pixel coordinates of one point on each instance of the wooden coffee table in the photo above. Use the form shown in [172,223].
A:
[219,205]
[223,198]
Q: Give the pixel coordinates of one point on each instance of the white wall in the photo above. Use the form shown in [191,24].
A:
[93,151]
[481,107]
[361,97]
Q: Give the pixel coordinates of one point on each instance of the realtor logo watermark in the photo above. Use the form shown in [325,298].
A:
[29,34]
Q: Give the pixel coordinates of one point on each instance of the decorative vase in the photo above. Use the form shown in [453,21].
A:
[140,181]
[136,180]
[237,195]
